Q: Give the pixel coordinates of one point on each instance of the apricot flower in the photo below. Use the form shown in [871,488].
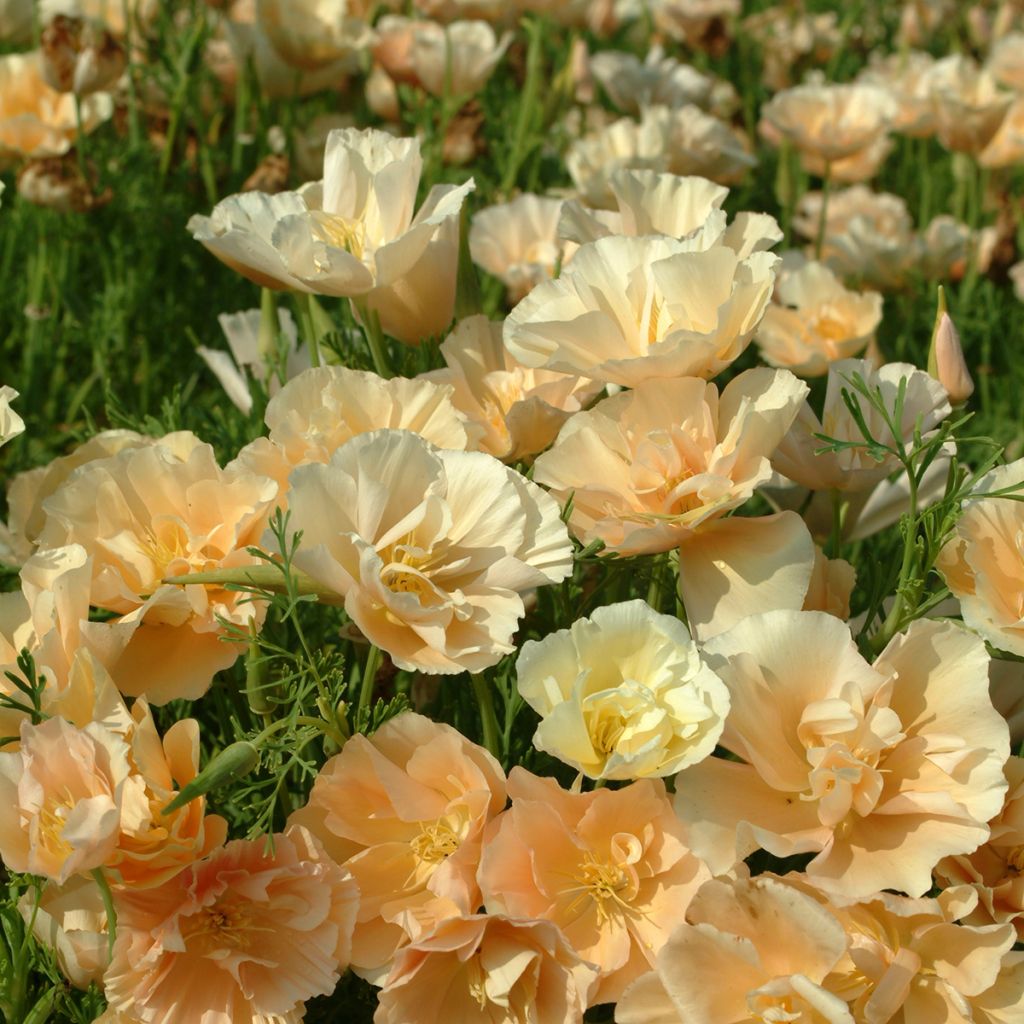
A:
[610,867]
[430,550]
[405,811]
[847,760]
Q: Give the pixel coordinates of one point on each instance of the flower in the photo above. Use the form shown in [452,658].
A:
[430,550]
[405,812]
[904,76]
[312,34]
[996,869]
[847,760]
[628,309]
[816,321]
[245,936]
[517,409]
[648,467]
[11,424]
[769,947]
[354,235]
[35,120]
[488,967]
[456,59]
[799,457]
[690,21]
[981,562]
[518,242]
[610,867]
[967,103]
[322,408]
[172,510]
[623,694]
[946,361]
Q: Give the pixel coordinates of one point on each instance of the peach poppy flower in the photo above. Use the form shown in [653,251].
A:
[799,457]
[847,760]
[1004,61]
[629,309]
[981,562]
[816,321]
[623,694]
[404,810]
[172,511]
[904,76]
[968,104]
[430,550]
[610,867]
[35,120]
[996,869]
[518,242]
[322,408]
[651,466]
[517,409]
[488,967]
[768,946]
[245,936]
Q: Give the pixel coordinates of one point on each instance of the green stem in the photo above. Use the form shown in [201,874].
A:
[83,167]
[527,106]
[375,339]
[826,188]
[108,905]
[485,701]
[308,326]
[373,660]
[134,124]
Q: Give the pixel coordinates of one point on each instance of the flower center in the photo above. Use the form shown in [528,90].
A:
[601,883]
[342,233]
[436,842]
[227,924]
[1015,858]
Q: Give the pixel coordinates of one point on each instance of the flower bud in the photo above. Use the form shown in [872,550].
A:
[946,361]
[232,763]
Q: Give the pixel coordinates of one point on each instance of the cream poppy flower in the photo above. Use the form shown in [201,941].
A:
[516,409]
[904,76]
[35,120]
[320,409]
[246,936]
[488,967]
[610,867]
[925,406]
[518,242]
[352,235]
[651,466]
[172,511]
[847,760]
[815,321]
[430,550]
[11,424]
[1005,63]
[1006,147]
[623,694]
[456,59]
[312,34]
[405,811]
[769,947]
[968,104]
[629,309]
[981,562]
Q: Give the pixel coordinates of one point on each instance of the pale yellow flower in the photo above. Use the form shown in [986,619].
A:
[847,760]
[648,467]
[815,321]
[623,694]
[431,550]
[516,409]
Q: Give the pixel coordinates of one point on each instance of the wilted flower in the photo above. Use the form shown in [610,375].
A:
[79,57]
[816,321]
[847,760]
[648,467]
[246,935]
[623,694]
[491,967]
[431,550]
[517,409]
[629,309]
[405,811]
[610,867]
[981,562]
[768,946]
[122,17]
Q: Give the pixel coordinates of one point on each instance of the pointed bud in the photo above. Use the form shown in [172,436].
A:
[232,763]
[946,361]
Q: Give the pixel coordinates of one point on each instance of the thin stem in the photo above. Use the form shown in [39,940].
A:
[826,188]
[373,660]
[83,167]
[308,326]
[108,905]
[485,701]
[375,339]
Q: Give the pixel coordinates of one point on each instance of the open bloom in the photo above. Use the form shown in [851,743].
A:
[405,811]
[488,967]
[352,235]
[313,34]
[982,564]
[430,550]
[848,760]
[517,409]
[768,946]
[648,467]
[816,321]
[968,104]
[245,936]
[628,309]
[623,694]
[171,511]
[456,59]
[610,867]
